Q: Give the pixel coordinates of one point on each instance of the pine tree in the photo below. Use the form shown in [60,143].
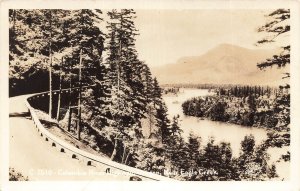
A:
[162,122]
[178,152]
[86,42]
[148,95]
[277,27]
[128,103]
[226,170]
[175,130]
[252,162]
[123,60]
[211,159]
[119,89]
[194,151]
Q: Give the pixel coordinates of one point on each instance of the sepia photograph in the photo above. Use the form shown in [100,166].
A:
[136,94]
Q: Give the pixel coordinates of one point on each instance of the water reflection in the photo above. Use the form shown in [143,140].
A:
[221,131]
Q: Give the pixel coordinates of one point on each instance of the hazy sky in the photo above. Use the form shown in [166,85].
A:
[167,35]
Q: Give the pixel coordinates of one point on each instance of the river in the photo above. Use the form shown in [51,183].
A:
[221,131]
[205,128]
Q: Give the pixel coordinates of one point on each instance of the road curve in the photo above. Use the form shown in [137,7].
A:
[35,158]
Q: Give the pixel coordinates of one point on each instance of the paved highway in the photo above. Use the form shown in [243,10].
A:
[35,158]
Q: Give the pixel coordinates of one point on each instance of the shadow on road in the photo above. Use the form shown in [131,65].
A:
[48,124]
[19,114]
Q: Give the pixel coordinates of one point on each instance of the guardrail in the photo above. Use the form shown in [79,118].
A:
[87,157]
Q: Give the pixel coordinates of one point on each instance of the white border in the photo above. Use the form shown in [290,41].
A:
[292,184]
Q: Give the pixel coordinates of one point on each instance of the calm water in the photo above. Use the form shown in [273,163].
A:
[221,131]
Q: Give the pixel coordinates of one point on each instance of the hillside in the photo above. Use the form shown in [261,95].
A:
[224,64]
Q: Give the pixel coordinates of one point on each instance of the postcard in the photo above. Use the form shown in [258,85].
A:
[194,94]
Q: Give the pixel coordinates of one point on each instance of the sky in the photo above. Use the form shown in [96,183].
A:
[167,35]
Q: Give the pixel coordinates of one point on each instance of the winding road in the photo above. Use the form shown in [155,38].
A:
[36,159]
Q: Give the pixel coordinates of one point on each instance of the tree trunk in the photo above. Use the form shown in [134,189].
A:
[114,153]
[124,153]
[50,69]
[70,103]
[127,157]
[150,120]
[79,98]
[50,89]
[59,92]
[119,72]
[14,20]
[69,119]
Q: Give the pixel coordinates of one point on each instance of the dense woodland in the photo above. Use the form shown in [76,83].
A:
[249,106]
[63,49]
[198,86]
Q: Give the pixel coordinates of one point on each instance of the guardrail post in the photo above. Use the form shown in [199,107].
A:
[30,117]
[135,178]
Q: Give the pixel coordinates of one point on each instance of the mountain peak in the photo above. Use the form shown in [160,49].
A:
[226,63]
[229,46]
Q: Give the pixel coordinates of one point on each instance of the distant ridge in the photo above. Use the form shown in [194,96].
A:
[224,64]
